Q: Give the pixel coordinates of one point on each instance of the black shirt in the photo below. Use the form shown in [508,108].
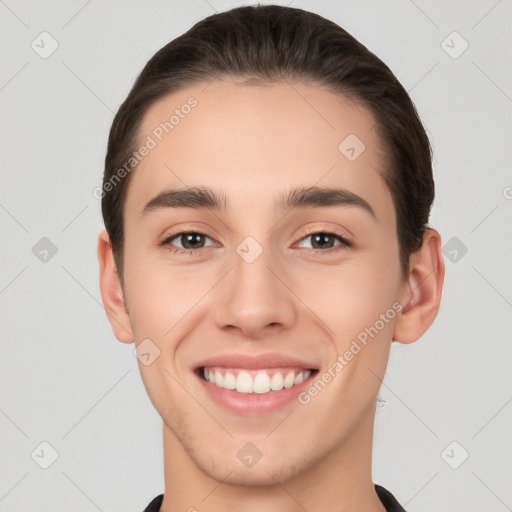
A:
[388,500]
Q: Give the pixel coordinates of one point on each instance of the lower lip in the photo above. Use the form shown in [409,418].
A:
[253,404]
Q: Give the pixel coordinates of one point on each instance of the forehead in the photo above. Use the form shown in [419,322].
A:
[250,140]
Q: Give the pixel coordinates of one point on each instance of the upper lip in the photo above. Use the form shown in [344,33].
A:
[268,360]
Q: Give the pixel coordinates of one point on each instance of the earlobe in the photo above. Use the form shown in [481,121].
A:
[111,291]
[422,291]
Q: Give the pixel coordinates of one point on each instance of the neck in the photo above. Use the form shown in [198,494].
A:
[341,482]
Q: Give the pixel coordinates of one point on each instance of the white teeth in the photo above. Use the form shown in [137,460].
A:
[229,381]
[219,379]
[289,380]
[261,383]
[276,383]
[244,383]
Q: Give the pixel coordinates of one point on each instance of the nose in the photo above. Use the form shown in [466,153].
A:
[255,298]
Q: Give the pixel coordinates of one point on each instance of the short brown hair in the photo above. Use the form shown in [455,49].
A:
[270,43]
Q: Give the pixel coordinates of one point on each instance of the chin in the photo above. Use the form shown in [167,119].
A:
[261,475]
[267,471]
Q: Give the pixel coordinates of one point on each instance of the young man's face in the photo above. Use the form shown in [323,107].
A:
[259,283]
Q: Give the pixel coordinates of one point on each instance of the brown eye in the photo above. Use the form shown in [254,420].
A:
[188,241]
[192,240]
[324,240]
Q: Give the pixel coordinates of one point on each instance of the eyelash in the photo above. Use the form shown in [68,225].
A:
[343,245]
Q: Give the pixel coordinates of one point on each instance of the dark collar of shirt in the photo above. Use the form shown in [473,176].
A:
[388,500]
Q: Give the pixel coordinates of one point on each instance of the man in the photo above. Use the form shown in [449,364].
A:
[267,189]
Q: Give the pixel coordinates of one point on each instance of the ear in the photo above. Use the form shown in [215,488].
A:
[111,291]
[421,293]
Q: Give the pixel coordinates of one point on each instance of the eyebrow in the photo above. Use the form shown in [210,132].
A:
[305,197]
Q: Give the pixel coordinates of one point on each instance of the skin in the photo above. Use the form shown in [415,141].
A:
[253,143]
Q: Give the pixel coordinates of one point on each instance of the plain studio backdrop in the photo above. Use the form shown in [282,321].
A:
[78,431]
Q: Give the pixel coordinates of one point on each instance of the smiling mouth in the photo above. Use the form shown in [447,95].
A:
[255,381]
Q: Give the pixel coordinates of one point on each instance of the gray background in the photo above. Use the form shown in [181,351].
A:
[64,378]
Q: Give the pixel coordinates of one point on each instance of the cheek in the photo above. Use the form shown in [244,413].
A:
[350,315]
[160,295]
[351,299]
